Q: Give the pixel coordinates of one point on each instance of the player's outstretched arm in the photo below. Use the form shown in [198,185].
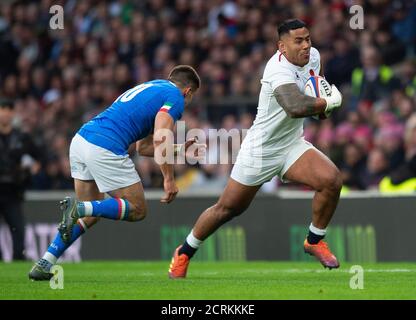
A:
[298,105]
[145,147]
[164,153]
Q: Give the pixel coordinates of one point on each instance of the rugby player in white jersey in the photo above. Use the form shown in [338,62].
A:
[275,145]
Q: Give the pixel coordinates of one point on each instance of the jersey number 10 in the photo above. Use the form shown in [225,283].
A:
[131,93]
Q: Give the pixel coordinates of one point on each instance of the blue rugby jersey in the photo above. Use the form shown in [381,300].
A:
[132,115]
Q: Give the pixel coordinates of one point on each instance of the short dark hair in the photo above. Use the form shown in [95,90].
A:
[291,24]
[185,76]
[6,103]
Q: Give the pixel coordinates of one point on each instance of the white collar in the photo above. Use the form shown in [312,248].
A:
[173,83]
[298,68]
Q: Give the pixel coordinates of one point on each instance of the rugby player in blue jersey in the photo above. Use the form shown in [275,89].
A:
[100,162]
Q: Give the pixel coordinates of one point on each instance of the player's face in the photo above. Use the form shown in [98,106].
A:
[296,46]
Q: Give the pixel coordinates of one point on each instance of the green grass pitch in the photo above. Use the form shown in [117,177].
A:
[234,280]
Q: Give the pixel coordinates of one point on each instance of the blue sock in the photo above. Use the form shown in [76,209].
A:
[57,246]
[112,208]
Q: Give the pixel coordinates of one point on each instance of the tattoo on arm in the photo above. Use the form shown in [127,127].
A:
[296,104]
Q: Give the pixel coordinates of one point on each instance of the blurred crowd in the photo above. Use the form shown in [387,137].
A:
[62,78]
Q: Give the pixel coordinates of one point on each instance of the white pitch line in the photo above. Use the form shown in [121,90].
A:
[324,270]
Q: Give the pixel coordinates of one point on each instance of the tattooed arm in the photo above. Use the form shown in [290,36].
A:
[296,104]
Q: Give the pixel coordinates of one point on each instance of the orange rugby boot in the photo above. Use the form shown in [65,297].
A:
[322,253]
[179,265]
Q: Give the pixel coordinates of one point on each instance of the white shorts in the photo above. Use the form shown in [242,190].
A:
[109,171]
[250,170]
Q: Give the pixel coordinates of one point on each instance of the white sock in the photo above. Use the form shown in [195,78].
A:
[192,241]
[317,231]
[50,257]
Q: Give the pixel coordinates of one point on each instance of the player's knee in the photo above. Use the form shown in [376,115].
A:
[333,181]
[338,182]
[138,212]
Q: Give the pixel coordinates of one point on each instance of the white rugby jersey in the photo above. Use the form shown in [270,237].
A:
[273,129]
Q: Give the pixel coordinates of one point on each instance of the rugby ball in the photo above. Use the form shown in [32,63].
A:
[318,87]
